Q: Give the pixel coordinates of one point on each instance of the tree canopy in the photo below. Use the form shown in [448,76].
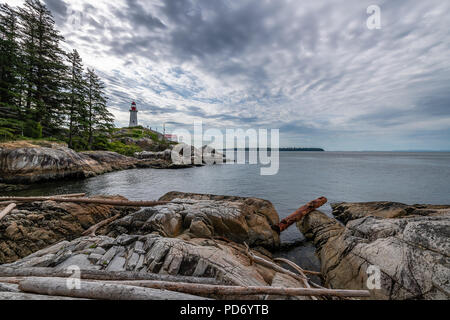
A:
[45,91]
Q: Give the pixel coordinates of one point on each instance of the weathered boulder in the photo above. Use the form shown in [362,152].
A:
[33,163]
[409,244]
[227,262]
[192,236]
[187,154]
[148,155]
[34,226]
[158,160]
[346,212]
[107,161]
[206,216]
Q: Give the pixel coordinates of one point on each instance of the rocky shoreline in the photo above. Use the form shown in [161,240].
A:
[193,236]
[408,244]
[200,236]
[24,163]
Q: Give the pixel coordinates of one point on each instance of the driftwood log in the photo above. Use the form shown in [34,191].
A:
[118,203]
[219,290]
[298,268]
[268,264]
[92,230]
[21,296]
[123,290]
[299,214]
[72,195]
[305,279]
[7,210]
[6,272]
[98,290]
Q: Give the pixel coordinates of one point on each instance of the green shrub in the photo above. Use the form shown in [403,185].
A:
[122,148]
[79,143]
[137,134]
[6,134]
[100,143]
[33,129]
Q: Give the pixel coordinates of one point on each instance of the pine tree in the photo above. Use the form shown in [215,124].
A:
[76,104]
[10,120]
[99,118]
[45,69]
[39,94]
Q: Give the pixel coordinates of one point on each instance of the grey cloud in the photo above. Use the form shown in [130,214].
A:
[309,68]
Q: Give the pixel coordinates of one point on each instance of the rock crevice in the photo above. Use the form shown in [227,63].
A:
[409,245]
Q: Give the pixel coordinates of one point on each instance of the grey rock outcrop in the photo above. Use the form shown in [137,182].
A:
[158,160]
[206,216]
[32,163]
[35,226]
[192,236]
[409,244]
[149,155]
[226,262]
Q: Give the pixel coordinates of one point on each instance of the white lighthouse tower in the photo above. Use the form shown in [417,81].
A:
[133,115]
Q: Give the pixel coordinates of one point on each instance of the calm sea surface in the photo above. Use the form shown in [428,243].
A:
[303,176]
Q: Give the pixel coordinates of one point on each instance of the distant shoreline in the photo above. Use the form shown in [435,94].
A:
[280,149]
[340,151]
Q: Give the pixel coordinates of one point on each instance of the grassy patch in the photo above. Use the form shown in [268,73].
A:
[122,148]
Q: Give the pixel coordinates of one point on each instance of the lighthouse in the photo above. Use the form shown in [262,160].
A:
[133,115]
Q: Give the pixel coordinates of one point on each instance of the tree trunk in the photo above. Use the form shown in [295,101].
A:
[299,214]
[153,290]
[97,290]
[100,275]
[7,210]
[118,203]
[220,290]
[92,230]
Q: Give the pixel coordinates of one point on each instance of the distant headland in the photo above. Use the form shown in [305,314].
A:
[281,149]
[303,149]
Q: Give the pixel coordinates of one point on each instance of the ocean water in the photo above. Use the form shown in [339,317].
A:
[303,176]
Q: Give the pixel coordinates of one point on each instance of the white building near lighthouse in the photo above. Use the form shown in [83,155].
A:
[133,115]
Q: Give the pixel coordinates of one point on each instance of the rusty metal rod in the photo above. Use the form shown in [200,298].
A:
[299,214]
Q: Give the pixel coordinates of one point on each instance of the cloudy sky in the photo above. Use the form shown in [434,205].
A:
[310,68]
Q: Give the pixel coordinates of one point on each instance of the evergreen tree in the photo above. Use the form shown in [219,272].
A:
[39,94]
[76,105]
[10,122]
[45,69]
[99,118]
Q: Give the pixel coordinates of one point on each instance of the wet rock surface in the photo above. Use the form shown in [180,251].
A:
[409,244]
